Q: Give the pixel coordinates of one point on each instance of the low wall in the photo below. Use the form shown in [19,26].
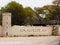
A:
[30,30]
[0,30]
[58,30]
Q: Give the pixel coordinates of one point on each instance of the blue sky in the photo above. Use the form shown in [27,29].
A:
[31,3]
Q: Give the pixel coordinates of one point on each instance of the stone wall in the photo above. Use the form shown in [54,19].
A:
[58,29]
[0,30]
[30,30]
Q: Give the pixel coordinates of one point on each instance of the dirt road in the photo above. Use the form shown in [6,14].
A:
[46,40]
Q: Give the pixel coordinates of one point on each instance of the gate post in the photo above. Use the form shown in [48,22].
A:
[6,23]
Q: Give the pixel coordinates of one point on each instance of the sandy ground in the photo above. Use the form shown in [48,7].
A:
[46,40]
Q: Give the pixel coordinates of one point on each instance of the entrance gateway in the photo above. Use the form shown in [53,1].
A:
[22,30]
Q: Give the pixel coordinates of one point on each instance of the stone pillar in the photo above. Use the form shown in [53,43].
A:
[55,30]
[6,23]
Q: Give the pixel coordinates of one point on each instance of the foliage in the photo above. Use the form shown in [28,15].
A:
[52,14]
[56,2]
[17,10]
[0,18]
[20,15]
[29,15]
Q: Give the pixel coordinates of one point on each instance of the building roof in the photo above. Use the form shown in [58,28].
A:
[50,22]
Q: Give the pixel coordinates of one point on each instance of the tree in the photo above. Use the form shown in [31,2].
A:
[29,15]
[43,12]
[51,12]
[0,18]
[18,13]
[56,2]
[54,12]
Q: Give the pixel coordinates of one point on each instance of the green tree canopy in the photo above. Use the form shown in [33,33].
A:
[29,15]
[17,10]
[56,2]
[0,18]
[51,14]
